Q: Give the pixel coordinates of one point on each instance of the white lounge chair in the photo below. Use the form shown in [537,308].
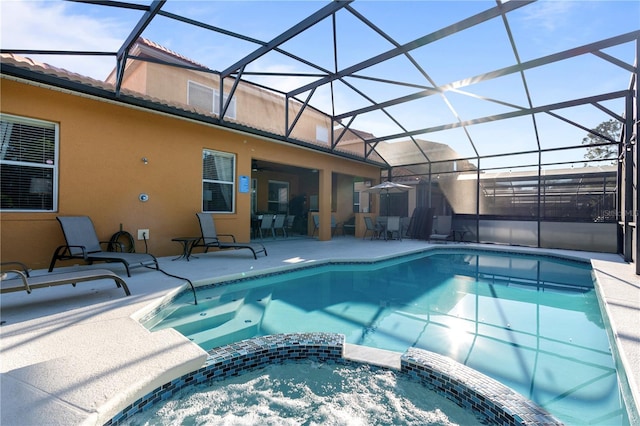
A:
[442,230]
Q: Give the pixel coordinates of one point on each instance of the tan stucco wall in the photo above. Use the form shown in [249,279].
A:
[257,107]
[136,76]
[101,172]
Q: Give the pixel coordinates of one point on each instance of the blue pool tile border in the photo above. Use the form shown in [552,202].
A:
[468,388]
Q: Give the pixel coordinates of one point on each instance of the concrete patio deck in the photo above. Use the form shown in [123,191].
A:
[78,355]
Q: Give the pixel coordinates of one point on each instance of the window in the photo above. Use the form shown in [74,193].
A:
[218,181]
[278,197]
[356,201]
[208,99]
[28,159]
[322,134]
[361,198]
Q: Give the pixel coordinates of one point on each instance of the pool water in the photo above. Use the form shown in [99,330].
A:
[532,323]
[308,393]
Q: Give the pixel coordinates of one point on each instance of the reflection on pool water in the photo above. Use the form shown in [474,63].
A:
[532,323]
[309,393]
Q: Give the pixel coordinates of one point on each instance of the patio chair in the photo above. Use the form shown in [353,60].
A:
[442,230]
[393,228]
[381,222]
[279,225]
[288,226]
[211,239]
[266,224]
[349,226]
[83,243]
[371,227]
[316,224]
[405,224]
[335,226]
[18,278]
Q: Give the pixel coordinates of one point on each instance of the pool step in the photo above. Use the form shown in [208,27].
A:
[245,323]
[208,313]
[174,311]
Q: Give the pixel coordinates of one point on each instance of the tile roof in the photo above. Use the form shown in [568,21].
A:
[155,46]
[43,68]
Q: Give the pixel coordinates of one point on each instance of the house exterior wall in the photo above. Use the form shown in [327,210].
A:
[255,106]
[101,172]
[137,77]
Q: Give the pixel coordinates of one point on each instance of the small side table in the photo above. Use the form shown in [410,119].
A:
[187,245]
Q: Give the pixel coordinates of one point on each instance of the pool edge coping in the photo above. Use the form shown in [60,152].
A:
[630,389]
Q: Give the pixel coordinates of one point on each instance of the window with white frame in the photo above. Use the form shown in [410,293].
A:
[208,99]
[28,164]
[218,181]
[278,201]
[322,134]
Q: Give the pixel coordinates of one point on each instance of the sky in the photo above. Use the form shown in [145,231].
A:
[540,29]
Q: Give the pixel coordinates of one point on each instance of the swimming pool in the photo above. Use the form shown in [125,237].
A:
[532,323]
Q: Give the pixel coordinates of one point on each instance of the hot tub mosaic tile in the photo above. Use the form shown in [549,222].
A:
[471,389]
[461,384]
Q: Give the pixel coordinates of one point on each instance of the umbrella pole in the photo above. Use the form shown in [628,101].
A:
[388,203]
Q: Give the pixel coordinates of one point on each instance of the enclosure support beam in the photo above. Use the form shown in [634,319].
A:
[539,198]
[123,52]
[633,138]
[627,213]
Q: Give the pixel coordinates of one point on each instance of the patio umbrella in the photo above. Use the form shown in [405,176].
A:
[387,188]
